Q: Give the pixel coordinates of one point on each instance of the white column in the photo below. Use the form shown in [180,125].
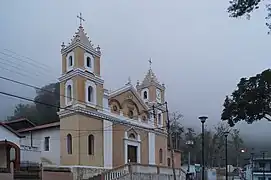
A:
[108,144]
[151,137]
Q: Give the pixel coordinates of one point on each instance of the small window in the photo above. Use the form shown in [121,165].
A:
[91,144]
[69,144]
[145,94]
[12,154]
[69,93]
[90,94]
[46,143]
[70,60]
[159,119]
[144,118]
[89,62]
[132,136]
[168,162]
[130,114]
[115,108]
[160,156]
[261,164]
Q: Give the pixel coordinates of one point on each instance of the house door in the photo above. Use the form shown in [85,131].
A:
[132,154]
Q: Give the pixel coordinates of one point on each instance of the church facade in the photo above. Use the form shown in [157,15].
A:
[98,128]
[108,129]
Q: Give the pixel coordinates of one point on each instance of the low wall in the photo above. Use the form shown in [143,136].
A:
[58,173]
[82,172]
[6,176]
[149,176]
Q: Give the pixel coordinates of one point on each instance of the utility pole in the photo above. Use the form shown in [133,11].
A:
[170,143]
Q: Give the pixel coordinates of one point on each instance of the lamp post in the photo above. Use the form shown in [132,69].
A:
[226,152]
[252,159]
[202,120]
[263,153]
[189,143]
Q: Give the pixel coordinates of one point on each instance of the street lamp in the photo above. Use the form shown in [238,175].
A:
[263,153]
[202,120]
[226,152]
[189,143]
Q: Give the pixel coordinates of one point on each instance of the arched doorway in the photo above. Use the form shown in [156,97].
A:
[9,152]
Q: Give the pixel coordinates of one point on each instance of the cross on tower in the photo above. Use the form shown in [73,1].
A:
[81,19]
[150,62]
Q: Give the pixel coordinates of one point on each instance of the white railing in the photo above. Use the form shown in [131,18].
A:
[116,173]
[141,169]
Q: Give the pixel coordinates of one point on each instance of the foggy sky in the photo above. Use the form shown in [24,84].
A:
[197,50]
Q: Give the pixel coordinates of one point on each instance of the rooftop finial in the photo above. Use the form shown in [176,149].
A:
[129,81]
[81,19]
[150,62]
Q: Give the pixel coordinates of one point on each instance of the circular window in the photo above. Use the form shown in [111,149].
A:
[115,108]
[130,114]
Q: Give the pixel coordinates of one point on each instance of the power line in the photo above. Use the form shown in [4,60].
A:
[35,87]
[55,93]
[66,108]
[35,63]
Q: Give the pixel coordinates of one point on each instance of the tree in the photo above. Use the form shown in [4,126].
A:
[48,94]
[45,108]
[239,8]
[237,144]
[24,111]
[250,101]
[176,130]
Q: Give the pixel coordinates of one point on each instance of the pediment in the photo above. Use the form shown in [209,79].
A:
[128,99]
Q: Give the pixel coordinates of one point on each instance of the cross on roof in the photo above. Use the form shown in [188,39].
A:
[81,19]
[150,62]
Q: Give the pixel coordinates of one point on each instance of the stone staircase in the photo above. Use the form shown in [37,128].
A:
[139,172]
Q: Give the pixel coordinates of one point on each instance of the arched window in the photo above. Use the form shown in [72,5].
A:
[90,94]
[132,136]
[88,62]
[12,154]
[159,119]
[168,162]
[70,60]
[160,156]
[69,144]
[145,94]
[130,114]
[91,144]
[69,93]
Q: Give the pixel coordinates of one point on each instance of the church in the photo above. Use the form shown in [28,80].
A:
[97,128]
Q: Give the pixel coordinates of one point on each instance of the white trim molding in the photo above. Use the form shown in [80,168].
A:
[148,94]
[108,144]
[160,115]
[151,138]
[91,68]
[83,73]
[132,143]
[94,94]
[68,83]
[68,67]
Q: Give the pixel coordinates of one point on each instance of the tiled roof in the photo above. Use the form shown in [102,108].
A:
[11,130]
[44,126]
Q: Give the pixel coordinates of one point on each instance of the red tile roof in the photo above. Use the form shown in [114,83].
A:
[11,130]
[44,126]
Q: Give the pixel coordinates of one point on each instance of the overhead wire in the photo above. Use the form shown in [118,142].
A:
[25,84]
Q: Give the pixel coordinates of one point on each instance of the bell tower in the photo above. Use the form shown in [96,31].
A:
[82,92]
[153,93]
[81,82]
